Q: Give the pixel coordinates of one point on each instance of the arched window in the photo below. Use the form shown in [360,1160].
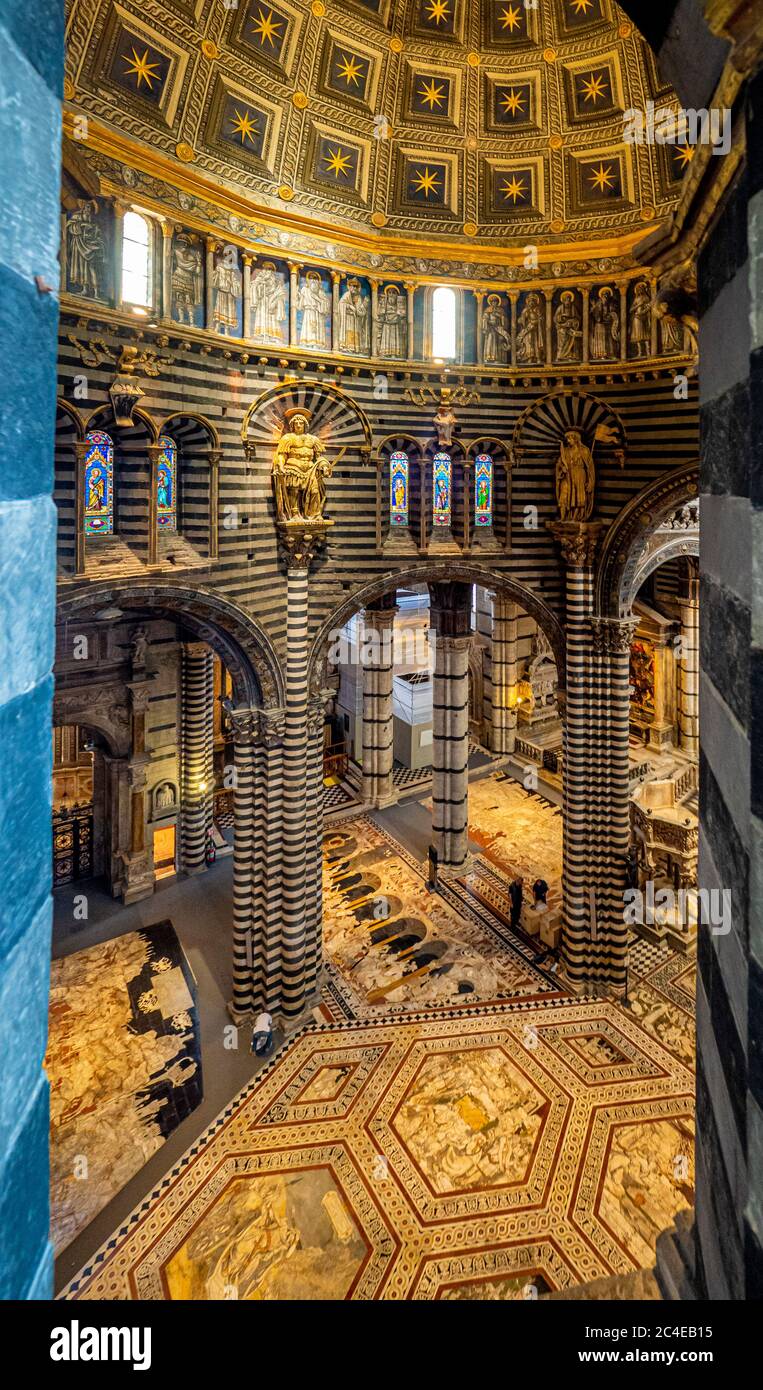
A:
[398,489]
[483,490]
[166,485]
[444,322]
[136,260]
[442,475]
[99,485]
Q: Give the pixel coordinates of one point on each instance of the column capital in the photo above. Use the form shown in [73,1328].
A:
[197,649]
[459,643]
[266,726]
[579,541]
[316,712]
[451,608]
[613,636]
[214,457]
[300,541]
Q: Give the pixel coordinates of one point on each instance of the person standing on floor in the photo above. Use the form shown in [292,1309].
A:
[515,894]
[262,1035]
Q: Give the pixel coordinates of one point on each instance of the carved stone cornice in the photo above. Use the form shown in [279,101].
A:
[613,636]
[250,726]
[579,541]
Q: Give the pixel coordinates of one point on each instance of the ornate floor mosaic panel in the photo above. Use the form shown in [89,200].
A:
[124,1065]
[390,945]
[442,1157]
[517,830]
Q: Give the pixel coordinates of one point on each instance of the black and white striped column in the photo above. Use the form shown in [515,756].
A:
[451,615]
[257,860]
[596,811]
[295,793]
[688,667]
[316,718]
[197,754]
[503,675]
[378,717]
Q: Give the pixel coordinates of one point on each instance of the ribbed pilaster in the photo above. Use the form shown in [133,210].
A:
[688,671]
[503,675]
[378,718]
[197,754]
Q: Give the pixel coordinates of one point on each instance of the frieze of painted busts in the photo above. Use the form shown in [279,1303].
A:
[354,319]
[392,323]
[496,337]
[300,471]
[187,280]
[568,328]
[604,317]
[531,331]
[269,300]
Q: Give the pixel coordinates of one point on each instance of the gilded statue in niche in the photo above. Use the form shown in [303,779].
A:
[187,280]
[268,296]
[575,478]
[354,317]
[569,328]
[496,339]
[392,323]
[605,325]
[300,470]
[531,338]
[84,242]
[640,322]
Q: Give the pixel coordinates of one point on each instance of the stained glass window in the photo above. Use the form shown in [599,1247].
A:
[483,490]
[99,485]
[398,489]
[442,472]
[166,485]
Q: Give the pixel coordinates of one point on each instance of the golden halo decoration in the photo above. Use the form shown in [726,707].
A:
[549,55]
[494,299]
[185,152]
[555,142]
[318,9]
[470,229]
[300,100]
[286,192]
[396,45]
[70,90]
[209,49]
[378,219]
[297,410]
[473,59]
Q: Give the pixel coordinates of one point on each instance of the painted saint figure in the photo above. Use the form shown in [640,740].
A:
[313,302]
[164,489]
[392,323]
[186,280]
[96,490]
[353,319]
[268,295]
[531,337]
[575,478]
[85,247]
[640,325]
[300,470]
[605,326]
[569,330]
[496,339]
[226,282]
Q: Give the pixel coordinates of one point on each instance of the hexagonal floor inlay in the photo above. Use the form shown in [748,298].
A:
[470,1120]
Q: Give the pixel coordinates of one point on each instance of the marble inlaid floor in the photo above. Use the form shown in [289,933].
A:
[517,830]
[521,1149]
[124,1066]
[391,945]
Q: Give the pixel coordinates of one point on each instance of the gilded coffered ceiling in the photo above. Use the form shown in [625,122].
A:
[491,120]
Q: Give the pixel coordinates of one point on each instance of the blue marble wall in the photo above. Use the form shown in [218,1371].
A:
[31,60]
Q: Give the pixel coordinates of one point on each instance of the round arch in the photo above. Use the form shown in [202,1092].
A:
[242,645]
[65,408]
[191,418]
[138,415]
[627,542]
[327,404]
[442,571]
